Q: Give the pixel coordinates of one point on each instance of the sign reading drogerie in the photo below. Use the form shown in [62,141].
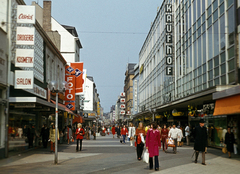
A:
[24,58]
[24,79]
[25,36]
[25,14]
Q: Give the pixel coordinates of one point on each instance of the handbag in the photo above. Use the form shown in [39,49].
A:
[146,156]
[72,140]
[224,150]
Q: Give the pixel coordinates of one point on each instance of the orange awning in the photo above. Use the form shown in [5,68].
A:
[78,119]
[227,106]
[63,106]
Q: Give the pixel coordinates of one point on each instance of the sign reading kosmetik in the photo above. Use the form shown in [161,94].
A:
[25,14]
[25,36]
[24,58]
[23,79]
[169,39]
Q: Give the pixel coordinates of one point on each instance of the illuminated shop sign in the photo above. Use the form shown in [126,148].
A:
[169,39]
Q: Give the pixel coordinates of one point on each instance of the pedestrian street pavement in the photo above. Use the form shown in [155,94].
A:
[107,155]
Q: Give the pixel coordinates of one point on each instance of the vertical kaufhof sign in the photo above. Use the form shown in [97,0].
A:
[169,39]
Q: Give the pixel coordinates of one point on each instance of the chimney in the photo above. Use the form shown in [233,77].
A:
[47,25]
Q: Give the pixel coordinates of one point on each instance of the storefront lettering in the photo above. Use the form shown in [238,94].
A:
[24,16]
[25,59]
[24,81]
[25,37]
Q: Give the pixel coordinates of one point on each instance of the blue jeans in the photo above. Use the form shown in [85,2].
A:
[124,137]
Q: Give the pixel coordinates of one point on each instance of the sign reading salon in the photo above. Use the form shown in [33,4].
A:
[23,79]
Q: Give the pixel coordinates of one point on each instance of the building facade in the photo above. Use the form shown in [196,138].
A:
[190,52]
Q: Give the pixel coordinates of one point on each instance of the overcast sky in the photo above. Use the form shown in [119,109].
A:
[112,33]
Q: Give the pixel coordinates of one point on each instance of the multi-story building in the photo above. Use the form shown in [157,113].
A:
[191,52]
[128,89]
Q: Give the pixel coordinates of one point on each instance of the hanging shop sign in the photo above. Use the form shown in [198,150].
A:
[23,79]
[25,36]
[76,69]
[24,58]
[122,94]
[122,100]
[122,106]
[122,112]
[25,14]
[70,92]
[169,39]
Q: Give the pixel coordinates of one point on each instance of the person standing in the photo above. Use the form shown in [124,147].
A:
[69,133]
[173,133]
[30,135]
[45,135]
[200,143]
[124,132]
[140,131]
[187,134]
[229,141]
[94,132]
[113,131]
[52,137]
[164,135]
[153,144]
[80,133]
[180,136]
[131,130]
[118,131]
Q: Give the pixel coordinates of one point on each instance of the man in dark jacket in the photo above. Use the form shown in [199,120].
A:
[200,141]
[45,135]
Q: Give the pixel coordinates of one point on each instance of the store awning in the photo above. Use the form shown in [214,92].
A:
[65,108]
[227,106]
[77,119]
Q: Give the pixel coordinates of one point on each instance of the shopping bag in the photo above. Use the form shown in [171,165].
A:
[170,142]
[146,156]
[235,148]
[224,150]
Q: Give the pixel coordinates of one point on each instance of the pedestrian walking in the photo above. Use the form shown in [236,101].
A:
[140,131]
[200,143]
[52,137]
[113,131]
[79,133]
[124,132]
[118,131]
[173,133]
[108,130]
[180,136]
[187,134]
[69,133]
[131,131]
[164,135]
[153,144]
[45,135]
[229,141]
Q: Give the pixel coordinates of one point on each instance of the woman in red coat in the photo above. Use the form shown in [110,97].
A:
[79,133]
[113,131]
[124,132]
[153,144]
[164,135]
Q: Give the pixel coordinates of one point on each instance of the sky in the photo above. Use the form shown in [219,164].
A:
[112,33]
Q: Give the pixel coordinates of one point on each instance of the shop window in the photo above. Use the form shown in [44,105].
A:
[223,80]
[231,77]
[231,64]
[223,69]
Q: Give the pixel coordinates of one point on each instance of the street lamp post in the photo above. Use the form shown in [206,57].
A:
[53,86]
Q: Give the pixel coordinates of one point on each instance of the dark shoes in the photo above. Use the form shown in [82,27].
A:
[204,164]
[195,161]
[156,169]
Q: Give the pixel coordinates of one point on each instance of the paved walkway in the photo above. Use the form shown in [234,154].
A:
[107,155]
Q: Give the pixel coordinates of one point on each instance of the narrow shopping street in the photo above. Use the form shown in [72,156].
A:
[108,155]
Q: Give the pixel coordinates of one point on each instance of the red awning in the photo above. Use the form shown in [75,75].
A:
[77,119]
[65,108]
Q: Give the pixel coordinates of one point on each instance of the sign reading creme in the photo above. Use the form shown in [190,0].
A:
[25,14]
[24,79]
[24,58]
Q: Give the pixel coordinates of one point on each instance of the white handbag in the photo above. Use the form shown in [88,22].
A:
[146,156]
